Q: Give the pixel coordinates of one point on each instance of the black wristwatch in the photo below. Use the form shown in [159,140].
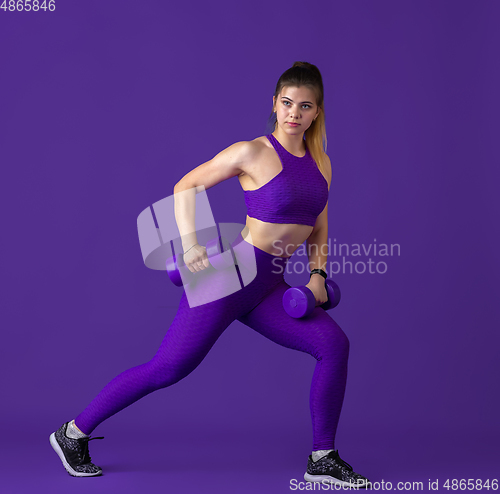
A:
[319,271]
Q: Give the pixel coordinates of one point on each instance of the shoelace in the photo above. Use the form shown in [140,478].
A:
[335,455]
[84,442]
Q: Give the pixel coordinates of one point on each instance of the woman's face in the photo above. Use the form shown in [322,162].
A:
[295,105]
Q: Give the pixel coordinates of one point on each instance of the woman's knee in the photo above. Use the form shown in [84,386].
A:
[161,374]
[335,343]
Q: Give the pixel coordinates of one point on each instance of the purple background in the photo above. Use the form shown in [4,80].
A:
[106,105]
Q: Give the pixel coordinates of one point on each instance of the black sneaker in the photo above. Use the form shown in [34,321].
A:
[332,469]
[74,453]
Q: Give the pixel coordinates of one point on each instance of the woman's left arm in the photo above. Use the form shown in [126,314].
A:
[317,247]
[317,250]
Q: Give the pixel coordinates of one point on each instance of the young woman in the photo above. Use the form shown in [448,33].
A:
[286,178]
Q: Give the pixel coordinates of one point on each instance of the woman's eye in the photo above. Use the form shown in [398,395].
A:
[287,103]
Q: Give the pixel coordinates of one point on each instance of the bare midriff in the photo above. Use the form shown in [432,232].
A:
[278,239]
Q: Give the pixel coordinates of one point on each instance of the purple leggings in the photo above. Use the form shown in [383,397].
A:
[194,331]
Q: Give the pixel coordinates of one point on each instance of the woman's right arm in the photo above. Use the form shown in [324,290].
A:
[228,163]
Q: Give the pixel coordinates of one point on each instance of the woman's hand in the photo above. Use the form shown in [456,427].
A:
[196,258]
[317,286]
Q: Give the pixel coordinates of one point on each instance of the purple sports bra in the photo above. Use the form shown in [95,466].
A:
[297,195]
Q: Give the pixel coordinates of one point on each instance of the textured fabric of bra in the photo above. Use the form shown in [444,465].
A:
[297,195]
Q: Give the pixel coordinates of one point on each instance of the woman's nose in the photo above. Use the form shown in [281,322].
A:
[294,113]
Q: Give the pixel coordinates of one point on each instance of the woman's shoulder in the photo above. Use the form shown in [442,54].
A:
[262,141]
[249,151]
[328,163]
[258,144]
[328,169]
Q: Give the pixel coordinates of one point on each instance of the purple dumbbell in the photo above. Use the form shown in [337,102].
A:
[299,301]
[220,255]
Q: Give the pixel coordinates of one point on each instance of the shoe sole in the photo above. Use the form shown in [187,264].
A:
[67,466]
[332,480]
